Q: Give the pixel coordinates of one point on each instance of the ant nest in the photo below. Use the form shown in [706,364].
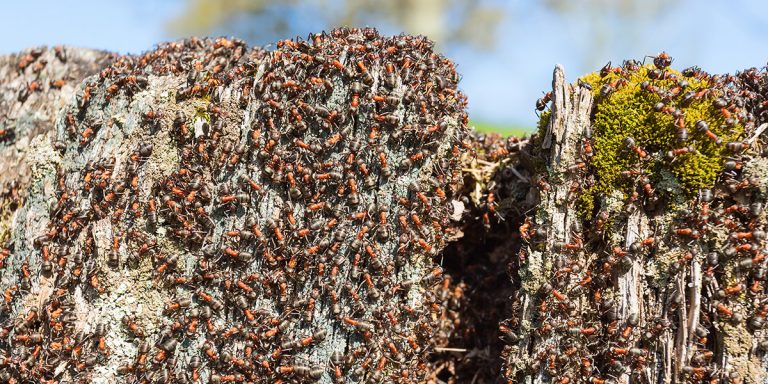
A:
[225,214]
[206,212]
[659,274]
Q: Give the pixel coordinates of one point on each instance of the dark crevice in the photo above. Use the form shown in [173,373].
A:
[478,263]
[483,264]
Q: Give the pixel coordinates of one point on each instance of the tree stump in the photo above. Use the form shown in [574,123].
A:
[211,213]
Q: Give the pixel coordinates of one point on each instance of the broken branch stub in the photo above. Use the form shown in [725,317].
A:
[557,223]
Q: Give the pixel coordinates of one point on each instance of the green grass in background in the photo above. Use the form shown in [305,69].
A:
[503,129]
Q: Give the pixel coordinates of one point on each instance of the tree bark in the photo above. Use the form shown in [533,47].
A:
[640,291]
[209,213]
[34,85]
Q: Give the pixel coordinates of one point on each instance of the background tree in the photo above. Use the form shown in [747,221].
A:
[444,21]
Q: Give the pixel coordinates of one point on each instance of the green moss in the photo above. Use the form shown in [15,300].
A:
[628,111]
[202,113]
[537,140]
[541,126]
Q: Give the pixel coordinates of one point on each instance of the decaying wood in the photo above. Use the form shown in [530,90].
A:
[570,118]
[274,215]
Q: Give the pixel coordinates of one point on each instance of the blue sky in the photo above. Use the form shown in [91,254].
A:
[116,25]
[503,84]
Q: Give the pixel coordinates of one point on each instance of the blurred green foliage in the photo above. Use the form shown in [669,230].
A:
[502,129]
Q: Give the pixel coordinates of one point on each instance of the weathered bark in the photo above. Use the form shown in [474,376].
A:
[205,212]
[642,290]
[34,86]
